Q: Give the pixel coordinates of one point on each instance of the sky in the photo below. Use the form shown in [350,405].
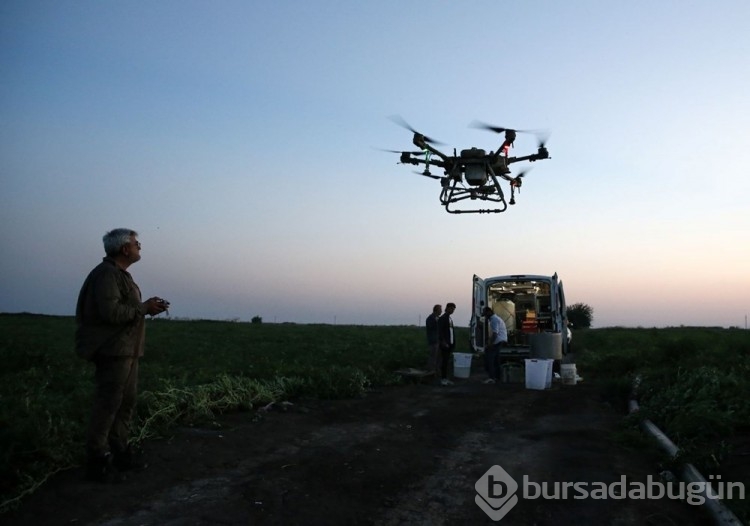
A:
[243,142]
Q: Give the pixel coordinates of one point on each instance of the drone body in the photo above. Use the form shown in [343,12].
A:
[473,174]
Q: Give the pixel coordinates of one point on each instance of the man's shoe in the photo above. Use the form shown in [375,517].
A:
[129,460]
[101,469]
[489,381]
[445,381]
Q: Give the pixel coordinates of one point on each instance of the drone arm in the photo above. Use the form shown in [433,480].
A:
[541,154]
[510,138]
[504,148]
[406,158]
[420,142]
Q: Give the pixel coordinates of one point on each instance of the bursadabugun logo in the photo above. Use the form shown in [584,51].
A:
[496,493]
[496,490]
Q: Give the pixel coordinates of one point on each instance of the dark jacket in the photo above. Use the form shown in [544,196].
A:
[432,329]
[445,325]
[109,314]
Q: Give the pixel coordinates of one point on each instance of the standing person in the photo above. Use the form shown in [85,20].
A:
[497,337]
[447,341]
[110,332]
[433,339]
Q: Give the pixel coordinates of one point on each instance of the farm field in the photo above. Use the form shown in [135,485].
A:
[342,424]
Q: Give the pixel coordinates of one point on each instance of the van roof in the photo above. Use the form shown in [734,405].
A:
[521,277]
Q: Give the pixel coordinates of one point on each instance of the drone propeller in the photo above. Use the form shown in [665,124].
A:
[401,122]
[542,137]
[416,152]
[496,129]
[517,180]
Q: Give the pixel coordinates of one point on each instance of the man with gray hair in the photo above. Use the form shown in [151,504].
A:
[110,332]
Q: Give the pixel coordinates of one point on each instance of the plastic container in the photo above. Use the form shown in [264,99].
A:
[538,373]
[462,364]
[545,345]
[568,373]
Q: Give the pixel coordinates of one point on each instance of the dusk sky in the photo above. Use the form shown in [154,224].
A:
[242,140]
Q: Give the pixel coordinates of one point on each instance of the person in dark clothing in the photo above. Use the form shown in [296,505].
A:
[110,332]
[433,340]
[447,341]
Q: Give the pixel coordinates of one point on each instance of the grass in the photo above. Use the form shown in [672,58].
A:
[694,385]
[694,381]
[192,371]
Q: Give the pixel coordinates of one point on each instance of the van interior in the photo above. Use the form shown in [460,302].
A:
[524,306]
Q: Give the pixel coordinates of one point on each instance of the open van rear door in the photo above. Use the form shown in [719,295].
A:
[476,327]
[563,310]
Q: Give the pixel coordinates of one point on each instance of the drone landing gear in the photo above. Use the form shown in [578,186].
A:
[490,192]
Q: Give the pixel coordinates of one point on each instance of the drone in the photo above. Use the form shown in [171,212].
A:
[474,174]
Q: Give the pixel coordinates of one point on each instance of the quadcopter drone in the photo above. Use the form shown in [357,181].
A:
[473,174]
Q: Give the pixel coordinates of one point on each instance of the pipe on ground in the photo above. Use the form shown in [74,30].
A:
[721,515]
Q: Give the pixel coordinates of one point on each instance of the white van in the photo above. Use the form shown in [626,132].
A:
[533,309]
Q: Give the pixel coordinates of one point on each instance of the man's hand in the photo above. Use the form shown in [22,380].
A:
[156,305]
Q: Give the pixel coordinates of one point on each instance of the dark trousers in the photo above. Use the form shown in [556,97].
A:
[433,358]
[492,361]
[445,359]
[115,392]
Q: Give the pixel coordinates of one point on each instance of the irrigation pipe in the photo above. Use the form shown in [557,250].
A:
[721,515]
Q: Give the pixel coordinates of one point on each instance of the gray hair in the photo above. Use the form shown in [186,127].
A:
[115,239]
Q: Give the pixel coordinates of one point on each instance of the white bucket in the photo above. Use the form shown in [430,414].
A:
[568,373]
[538,373]
[462,364]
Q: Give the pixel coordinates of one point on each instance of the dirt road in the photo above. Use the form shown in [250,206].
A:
[404,455]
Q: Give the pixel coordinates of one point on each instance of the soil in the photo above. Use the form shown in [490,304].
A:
[410,454]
